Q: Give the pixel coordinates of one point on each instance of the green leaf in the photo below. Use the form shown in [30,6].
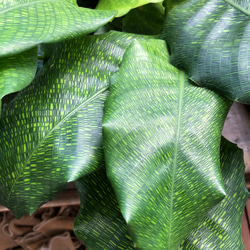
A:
[169,4]
[123,7]
[17,71]
[210,41]
[52,132]
[148,20]
[99,223]
[221,228]
[161,146]
[26,23]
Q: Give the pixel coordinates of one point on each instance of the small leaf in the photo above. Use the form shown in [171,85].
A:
[27,23]
[17,71]
[210,41]
[221,228]
[148,20]
[52,132]
[99,223]
[161,145]
[123,7]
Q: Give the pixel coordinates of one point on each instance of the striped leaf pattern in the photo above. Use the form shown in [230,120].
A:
[221,228]
[26,23]
[52,132]
[99,223]
[161,154]
[210,41]
[17,71]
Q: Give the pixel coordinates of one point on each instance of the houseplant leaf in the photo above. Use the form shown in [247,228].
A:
[123,7]
[51,133]
[210,41]
[221,227]
[147,19]
[99,223]
[161,146]
[17,71]
[26,23]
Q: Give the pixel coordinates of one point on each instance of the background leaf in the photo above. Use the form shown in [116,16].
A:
[99,223]
[210,41]
[17,71]
[26,23]
[161,145]
[221,228]
[123,6]
[52,133]
[147,19]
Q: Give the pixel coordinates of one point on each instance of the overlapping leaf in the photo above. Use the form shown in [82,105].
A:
[99,223]
[26,23]
[17,71]
[221,228]
[169,4]
[52,132]
[123,6]
[147,19]
[161,140]
[210,40]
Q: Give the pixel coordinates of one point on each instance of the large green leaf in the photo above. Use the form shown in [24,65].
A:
[147,19]
[99,223]
[17,71]
[51,133]
[221,228]
[161,145]
[26,23]
[210,41]
[123,6]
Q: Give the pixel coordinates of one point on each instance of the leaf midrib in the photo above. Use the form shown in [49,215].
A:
[28,4]
[77,108]
[237,6]
[180,105]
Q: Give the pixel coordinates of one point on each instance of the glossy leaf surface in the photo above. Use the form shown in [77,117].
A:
[161,154]
[26,23]
[221,228]
[99,223]
[210,41]
[17,71]
[123,6]
[52,132]
[147,19]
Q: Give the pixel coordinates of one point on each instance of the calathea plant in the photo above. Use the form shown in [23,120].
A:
[129,103]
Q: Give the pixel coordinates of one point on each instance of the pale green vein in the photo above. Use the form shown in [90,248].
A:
[180,105]
[237,6]
[77,108]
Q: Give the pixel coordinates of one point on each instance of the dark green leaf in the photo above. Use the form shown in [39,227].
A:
[147,19]
[210,41]
[52,132]
[162,140]
[26,23]
[123,7]
[99,223]
[221,228]
[169,4]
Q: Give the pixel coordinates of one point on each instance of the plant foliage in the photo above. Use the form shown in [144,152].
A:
[126,116]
